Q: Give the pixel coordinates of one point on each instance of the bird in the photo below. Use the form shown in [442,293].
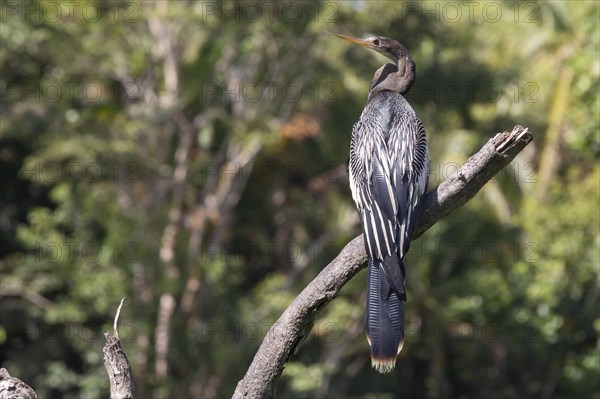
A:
[388,169]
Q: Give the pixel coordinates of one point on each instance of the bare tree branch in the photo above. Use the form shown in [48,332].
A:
[117,365]
[296,322]
[14,388]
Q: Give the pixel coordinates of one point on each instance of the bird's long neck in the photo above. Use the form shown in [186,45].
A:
[398,78]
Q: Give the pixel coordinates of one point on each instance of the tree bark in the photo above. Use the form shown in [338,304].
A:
[14,388]
[117,365]
[296,322]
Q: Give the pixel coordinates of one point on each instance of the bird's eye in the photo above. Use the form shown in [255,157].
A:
[376,42]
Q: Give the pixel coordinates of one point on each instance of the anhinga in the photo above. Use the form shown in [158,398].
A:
[388,170]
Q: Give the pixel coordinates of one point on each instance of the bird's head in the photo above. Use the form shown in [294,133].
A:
[390,48]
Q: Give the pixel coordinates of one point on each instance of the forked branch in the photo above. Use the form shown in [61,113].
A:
[297,320]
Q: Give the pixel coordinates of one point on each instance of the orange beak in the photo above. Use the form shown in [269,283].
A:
[351,39]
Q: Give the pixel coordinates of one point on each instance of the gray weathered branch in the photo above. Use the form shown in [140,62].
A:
[14,388]
[117,365]
[297,320]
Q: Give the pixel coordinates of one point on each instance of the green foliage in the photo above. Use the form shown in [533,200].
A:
[193,154]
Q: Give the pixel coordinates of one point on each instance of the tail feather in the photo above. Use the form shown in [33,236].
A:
[384,321]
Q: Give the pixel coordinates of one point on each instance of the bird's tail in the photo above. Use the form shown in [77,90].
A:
[384,321]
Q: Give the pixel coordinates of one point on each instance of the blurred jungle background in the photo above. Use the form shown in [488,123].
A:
[191,156]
